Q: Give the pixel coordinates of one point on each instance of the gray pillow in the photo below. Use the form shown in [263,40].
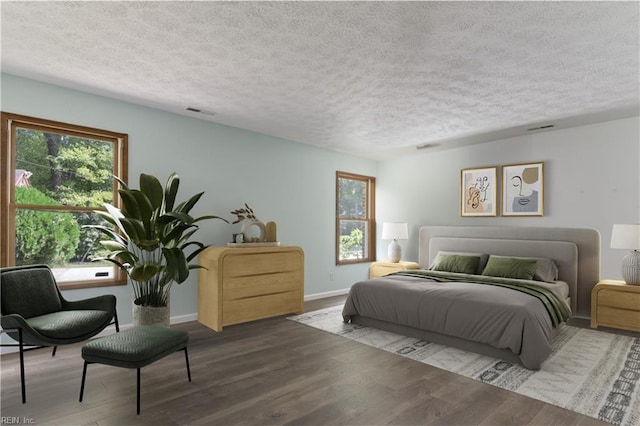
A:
[483,259]
[546,269]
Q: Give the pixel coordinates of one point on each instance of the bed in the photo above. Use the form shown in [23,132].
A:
[509,319]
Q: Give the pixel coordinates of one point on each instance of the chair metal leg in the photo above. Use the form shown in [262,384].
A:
[54,351]
[22,384]
[21,349]
[138,394]
[84,376]
[186,358]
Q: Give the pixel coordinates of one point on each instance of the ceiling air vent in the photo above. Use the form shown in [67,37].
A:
[548,126]
[427,145]
[199,111]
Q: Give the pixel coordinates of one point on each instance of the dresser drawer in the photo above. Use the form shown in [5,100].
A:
[619,318]
[619,299]
[239,265]
[259,307]
[257,285]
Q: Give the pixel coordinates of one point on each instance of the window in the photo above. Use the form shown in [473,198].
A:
[355,218]
[54,175]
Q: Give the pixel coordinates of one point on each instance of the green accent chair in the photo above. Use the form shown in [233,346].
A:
[34,313]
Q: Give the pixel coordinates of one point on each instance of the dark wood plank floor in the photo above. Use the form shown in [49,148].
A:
[268,372]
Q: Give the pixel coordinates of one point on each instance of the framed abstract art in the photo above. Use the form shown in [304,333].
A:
[523,189]
[479,192]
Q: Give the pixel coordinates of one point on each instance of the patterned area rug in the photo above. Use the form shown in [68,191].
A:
[590,372]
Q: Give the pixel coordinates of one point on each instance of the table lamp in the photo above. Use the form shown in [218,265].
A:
[627,236]
[394,231]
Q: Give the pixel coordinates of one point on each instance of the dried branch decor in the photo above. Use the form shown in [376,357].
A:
[244,213]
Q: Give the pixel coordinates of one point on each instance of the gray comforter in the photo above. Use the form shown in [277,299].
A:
[497,316]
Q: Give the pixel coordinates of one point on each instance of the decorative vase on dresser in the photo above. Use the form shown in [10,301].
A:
[248,231]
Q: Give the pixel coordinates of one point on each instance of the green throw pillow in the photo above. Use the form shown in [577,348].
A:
[510,267]
[546,269]
[456,263]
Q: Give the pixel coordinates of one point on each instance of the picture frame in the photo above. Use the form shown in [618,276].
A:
[523,189]
[479,192]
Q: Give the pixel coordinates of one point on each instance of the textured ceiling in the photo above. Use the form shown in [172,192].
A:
[369,78]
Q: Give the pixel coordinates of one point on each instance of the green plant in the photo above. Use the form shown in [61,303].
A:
[151,237]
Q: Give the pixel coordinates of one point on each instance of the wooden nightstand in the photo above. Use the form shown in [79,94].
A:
[382,268]
[615,304]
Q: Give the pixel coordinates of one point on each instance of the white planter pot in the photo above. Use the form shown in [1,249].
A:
[150,315]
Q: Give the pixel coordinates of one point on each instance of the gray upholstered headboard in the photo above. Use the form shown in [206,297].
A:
[576,251]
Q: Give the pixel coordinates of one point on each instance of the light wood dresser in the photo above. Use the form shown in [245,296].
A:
[246,284]
[615,304]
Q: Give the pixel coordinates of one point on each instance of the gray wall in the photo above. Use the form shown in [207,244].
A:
[591,177]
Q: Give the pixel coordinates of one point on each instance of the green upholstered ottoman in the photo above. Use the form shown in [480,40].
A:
[135,348]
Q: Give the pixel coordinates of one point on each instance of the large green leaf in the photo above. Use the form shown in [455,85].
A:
[196,252]
[177,266]
[123,256]
[117,217]
[143,272]
[191,267]
[146,211]
[152,188]
[133,228]
[183,217]
[148,245]
[187,206]
[113,245]
[110,233]
[181,240]
[114,261]
[121,182]
[130,204]
[175,237]
[105,216]
[144,203]
[170,192]
[209,217]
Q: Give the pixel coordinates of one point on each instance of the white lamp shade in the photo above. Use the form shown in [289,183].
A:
[625,236]
[395,231]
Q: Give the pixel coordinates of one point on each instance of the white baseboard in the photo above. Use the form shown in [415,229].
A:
[184,318]
[326,294]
